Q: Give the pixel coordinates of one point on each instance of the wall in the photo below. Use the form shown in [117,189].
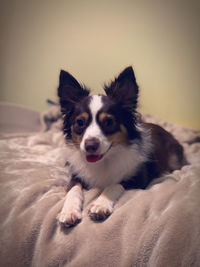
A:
[95,40]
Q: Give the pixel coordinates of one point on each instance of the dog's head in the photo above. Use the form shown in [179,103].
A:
[95,124]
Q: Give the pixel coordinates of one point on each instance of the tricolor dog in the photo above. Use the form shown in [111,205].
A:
[110,147]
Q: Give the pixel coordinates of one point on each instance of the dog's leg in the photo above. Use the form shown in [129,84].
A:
[71,213]
[103,206]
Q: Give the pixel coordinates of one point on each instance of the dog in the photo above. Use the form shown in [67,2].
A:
[110,147]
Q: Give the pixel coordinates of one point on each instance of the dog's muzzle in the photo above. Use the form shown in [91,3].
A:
[92,146]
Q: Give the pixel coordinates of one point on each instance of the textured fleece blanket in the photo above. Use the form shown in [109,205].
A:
[159,226]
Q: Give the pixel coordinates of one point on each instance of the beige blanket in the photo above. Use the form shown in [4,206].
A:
[159,226]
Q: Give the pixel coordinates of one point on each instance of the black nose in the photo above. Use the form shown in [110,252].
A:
[91,145]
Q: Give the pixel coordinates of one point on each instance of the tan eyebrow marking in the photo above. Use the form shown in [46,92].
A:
[84,114]
[104,115]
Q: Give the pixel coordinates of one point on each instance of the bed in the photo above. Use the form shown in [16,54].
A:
[156,227]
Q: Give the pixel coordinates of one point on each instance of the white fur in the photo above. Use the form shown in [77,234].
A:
[104,204]
[71,212]
[95,104]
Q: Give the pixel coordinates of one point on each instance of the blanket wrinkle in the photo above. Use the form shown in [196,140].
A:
[146,250]
[156,227]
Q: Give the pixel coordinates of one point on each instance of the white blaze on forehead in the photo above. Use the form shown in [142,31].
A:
[95,105]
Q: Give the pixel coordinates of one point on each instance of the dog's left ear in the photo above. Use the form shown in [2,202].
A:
[124,89]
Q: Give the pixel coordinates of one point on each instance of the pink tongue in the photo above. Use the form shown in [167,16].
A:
[93,158]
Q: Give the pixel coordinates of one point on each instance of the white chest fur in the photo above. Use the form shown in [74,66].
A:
[120,163]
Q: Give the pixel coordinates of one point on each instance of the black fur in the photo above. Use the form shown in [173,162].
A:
[72,99]
[124,90]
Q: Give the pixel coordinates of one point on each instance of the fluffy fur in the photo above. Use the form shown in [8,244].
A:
[109,146]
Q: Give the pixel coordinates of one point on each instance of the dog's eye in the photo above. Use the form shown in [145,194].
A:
[109,125]
[108,122]
[80,122]
[80,125]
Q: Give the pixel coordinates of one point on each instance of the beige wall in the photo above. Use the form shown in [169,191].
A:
[95,40]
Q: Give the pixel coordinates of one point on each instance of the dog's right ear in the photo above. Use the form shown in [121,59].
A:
[70,91]
[124,89]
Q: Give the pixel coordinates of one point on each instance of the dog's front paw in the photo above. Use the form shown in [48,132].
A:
[100,211]
[69,218]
